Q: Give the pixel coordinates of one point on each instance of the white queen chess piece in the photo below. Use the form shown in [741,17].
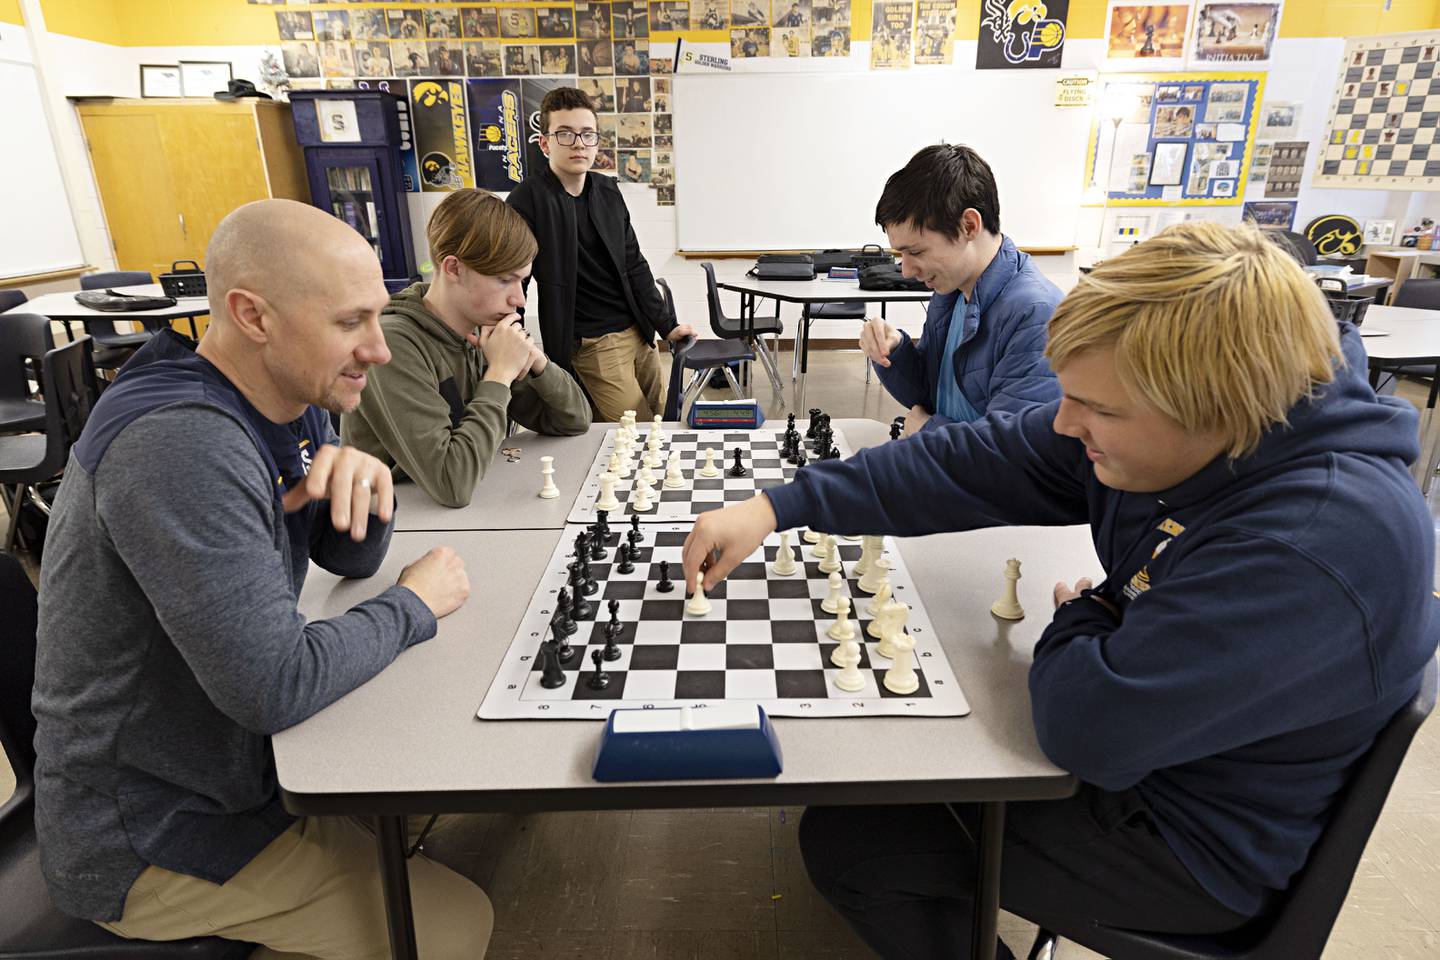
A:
[547,467]
[1008,606]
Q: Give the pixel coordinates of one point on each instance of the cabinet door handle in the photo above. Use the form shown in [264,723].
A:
[184,232]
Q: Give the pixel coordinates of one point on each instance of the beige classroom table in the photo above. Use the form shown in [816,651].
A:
[67,310]
[408,741]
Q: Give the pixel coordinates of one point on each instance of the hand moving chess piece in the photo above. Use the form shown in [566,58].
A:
[698,605]
[1008,606]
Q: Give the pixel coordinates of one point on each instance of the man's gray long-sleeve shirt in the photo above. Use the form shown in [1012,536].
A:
[171,647]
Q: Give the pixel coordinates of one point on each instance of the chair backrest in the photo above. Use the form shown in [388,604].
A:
[1303,923]
[70,395]
[1424,294]
[17,652]
[1296,245]
[677,357]
[115,278]
[10,299]
[722,326]
[25,338]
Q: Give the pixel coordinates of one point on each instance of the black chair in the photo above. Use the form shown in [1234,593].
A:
[675,391]
[10,299]
[1300,928]
[702,358]
[30,926]
[1296,245]
[30,459]
[744,331]
[113,347]
[832,310]
[25,338]
[1421,294]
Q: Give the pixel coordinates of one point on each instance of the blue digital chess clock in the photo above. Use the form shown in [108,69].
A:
[714,742]
[725,415]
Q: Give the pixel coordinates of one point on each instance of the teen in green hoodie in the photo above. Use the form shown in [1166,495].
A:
[462,363]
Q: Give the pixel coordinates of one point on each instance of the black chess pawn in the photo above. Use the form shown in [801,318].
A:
[814,422]
[738,470]
[800,458]
[666,584]
[560,623]
[634,536]
[599,680]
[552,675]
[589,586]
[625,554]
[611,651]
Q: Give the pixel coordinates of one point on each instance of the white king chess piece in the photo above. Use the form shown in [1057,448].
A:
[547,467]
[1008,606]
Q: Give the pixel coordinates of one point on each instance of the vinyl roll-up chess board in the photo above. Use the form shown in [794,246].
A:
[764,641]
[759,454]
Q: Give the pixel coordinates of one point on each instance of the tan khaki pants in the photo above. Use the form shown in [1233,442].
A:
[621,372]
[314,892]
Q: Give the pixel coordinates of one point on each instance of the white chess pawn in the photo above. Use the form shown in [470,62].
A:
[901,678]
[607,500]
[831,603]
[849,679]
[877,577]
[1008,606]
[831,563]
[698,606]
[871,547]
[842,628]
[784,565]
[652,449]
[673,477]
[812,537]
[709,470]
[641,501]
[547,467]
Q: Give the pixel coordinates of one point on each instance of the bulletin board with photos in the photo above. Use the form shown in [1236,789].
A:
[1186,138]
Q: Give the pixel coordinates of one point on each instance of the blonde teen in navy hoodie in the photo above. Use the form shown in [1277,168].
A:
[1266,608]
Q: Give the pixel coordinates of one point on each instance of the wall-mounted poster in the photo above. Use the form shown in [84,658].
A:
[1383,116]
[1287,167]
[1238,33]
[1021,34]
[442,140]
[935,22]
[1196,128]
[1150,36]
[891,26]
[1272,214]
[498,132]
[1279,121]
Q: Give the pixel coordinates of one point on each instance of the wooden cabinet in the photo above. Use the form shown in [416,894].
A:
[170,170]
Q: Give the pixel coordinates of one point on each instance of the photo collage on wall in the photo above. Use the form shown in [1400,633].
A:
[783,28]
[1185,138]
[474,77]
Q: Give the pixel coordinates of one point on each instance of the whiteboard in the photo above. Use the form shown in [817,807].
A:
[39,228]
[798,161]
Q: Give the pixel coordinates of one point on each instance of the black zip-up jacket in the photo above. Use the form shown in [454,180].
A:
[550,212]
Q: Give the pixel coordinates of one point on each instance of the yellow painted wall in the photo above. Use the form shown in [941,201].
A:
[133,23]
[10,12]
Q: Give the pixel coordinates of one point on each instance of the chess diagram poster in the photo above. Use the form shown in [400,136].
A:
[935,22]
[1017,35]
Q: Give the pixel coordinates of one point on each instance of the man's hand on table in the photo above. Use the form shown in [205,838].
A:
[733,533]
[439,580]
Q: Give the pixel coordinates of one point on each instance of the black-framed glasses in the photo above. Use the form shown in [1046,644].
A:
[567,138]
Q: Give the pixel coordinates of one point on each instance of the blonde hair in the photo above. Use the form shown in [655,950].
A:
[1215,326]
[481,231]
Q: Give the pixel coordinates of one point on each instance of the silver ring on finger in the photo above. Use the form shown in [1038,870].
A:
[364,483]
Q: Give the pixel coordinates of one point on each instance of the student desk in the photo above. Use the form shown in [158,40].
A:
[807,293]
[408,741]
[66,309]
[1406,336]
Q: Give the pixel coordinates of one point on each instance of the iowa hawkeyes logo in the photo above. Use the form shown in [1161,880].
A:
[436,170]
[429,93]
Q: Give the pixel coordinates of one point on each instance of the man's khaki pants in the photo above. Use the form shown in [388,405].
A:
[620,372]
[314,892]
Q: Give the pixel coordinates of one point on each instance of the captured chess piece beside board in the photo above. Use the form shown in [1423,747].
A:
[810,625]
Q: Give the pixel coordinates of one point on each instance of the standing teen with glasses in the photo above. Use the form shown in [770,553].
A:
[599,309]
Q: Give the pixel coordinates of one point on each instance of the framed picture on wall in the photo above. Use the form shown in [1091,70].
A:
[1168,168]
[201,78]
[159,80]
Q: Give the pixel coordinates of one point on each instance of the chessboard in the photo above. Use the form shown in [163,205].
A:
[1386,110]
[760,455]
[765,639]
